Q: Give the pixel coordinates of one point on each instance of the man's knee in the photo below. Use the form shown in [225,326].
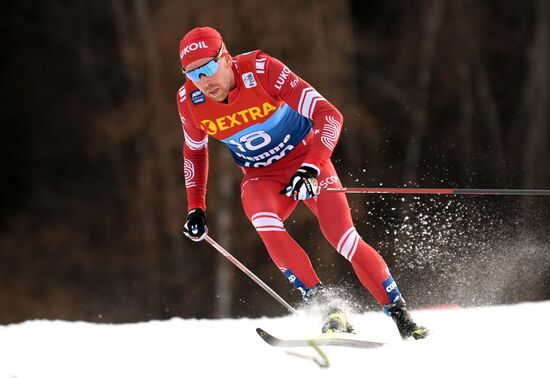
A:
[346,244]
[267,221]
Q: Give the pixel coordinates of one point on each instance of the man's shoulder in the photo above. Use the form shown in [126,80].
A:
[185,92]
[265,64]
[248,54]
[181,94]
[187,89]
[258,55]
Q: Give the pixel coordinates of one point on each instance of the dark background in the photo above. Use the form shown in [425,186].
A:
[435,93]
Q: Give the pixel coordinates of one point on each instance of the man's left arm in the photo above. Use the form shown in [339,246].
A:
[283,84]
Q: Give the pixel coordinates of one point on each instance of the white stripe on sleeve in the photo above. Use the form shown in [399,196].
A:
[308,100]
[193,144]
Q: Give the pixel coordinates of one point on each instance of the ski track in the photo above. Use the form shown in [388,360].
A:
[496,341]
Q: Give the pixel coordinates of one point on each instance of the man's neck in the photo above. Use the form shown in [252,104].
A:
[232,84]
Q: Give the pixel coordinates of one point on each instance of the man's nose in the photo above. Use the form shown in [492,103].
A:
[204,80]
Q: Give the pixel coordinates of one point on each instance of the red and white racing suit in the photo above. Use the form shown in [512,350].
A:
[273,123]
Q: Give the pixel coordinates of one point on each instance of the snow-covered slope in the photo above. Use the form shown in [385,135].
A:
[499,341]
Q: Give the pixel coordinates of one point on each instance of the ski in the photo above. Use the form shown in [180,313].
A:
[343,340]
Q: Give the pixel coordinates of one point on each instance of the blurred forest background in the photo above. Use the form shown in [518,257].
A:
[435,93]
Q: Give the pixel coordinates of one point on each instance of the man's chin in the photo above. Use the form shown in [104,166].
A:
[217,97]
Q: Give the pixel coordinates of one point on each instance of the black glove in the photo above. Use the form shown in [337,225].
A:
[195,228]
[303,184]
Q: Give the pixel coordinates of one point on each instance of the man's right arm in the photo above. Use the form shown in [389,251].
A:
[195,158]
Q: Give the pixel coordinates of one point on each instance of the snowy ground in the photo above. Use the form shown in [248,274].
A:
[500,341]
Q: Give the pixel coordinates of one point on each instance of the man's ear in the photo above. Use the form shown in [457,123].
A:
[228,60]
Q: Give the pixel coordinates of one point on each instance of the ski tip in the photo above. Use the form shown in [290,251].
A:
[261,332]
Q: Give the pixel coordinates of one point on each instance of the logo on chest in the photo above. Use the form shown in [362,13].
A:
[248,80]
[238,119]
[197,97]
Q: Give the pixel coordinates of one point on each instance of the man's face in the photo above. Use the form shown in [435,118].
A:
[217,86]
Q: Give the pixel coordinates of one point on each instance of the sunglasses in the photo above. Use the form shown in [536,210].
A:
[207,69]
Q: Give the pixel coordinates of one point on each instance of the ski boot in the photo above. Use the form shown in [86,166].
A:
[405,324]
[336,322]
[335,319]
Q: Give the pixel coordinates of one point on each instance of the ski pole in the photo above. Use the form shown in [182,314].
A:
[505,192]
[254,278]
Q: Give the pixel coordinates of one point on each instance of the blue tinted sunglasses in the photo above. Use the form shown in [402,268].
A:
[207,69]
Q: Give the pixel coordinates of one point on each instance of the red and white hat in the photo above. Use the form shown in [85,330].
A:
[201,42]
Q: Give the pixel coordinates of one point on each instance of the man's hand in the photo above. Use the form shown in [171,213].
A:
[302,185]
[195,228]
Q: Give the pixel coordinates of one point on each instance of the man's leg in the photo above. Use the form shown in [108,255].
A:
[267,210]
[333,212]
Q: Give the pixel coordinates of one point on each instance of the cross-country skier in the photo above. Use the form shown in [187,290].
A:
[281,132]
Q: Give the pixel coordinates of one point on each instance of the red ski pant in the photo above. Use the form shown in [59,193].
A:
[267,210]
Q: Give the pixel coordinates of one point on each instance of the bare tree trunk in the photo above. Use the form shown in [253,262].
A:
[466,116]
[466,79]
[161,203]
[488,103]
[487,100]
[114,149]
[97,83]
[536,102]
[433,15]
[347,87]
[224,217]
[120,21]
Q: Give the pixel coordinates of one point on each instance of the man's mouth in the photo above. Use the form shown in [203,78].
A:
[214,91]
